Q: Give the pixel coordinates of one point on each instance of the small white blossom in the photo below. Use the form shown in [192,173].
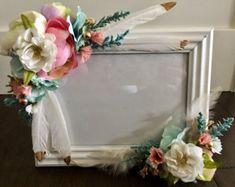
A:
[185,161]
[216,146]
[36,51]
[31,109]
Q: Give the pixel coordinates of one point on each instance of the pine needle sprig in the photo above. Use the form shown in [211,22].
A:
[220,128]
[117,16]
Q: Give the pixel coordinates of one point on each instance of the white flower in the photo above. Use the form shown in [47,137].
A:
[185,161]
[31,109]
[216,145]
[36,51]
[16,28]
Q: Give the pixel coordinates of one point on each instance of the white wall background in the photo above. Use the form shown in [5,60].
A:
[219,14]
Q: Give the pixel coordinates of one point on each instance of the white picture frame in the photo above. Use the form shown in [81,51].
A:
[197,43]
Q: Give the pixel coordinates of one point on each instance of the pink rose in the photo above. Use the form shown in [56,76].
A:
[156,156]
[97,37]
[85,53]
[204,139]
[19,90]
[66,58]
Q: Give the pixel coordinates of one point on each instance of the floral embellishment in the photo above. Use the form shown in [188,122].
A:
[19,90]
[35,51]
[54,10]
[185,161]
[204,139]
[156,157]
[97,37]
[85,53]
[216,146]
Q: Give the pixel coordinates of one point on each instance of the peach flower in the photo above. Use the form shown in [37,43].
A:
[156,156]
[85,53]
[97,37]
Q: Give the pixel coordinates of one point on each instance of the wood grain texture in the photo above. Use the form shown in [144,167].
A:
[17,159]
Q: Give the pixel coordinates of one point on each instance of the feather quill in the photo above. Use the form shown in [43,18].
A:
[138,18]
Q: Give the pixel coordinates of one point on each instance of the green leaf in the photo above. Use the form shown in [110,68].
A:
[170,133]
[78,24]
[171,180]
[28,75]
[26,22]
[11,101]
[16,67]
[37,94]
[209,163]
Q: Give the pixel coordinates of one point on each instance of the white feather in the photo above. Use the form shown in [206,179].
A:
[199,104]
[115,160]
[49,130]
[135,19]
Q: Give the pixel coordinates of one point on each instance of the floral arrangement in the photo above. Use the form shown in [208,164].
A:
[184,155]
[47,46]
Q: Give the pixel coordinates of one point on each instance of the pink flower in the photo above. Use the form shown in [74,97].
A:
[66,58]
[97,37]
[54,10]
[204,139]
[19,90]
[156,156]
[85,53]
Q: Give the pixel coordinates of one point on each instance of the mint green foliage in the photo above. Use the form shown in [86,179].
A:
[16,67]
[117,16]
[40,87]
[81,41]
[13,102]
[220,128]
[48,84]
[201,123]
[110,41]
[37,95]
[170,134]
[79,22]
[79,29]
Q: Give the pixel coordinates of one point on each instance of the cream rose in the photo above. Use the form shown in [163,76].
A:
[36,52]
[16,28]
[185,161]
